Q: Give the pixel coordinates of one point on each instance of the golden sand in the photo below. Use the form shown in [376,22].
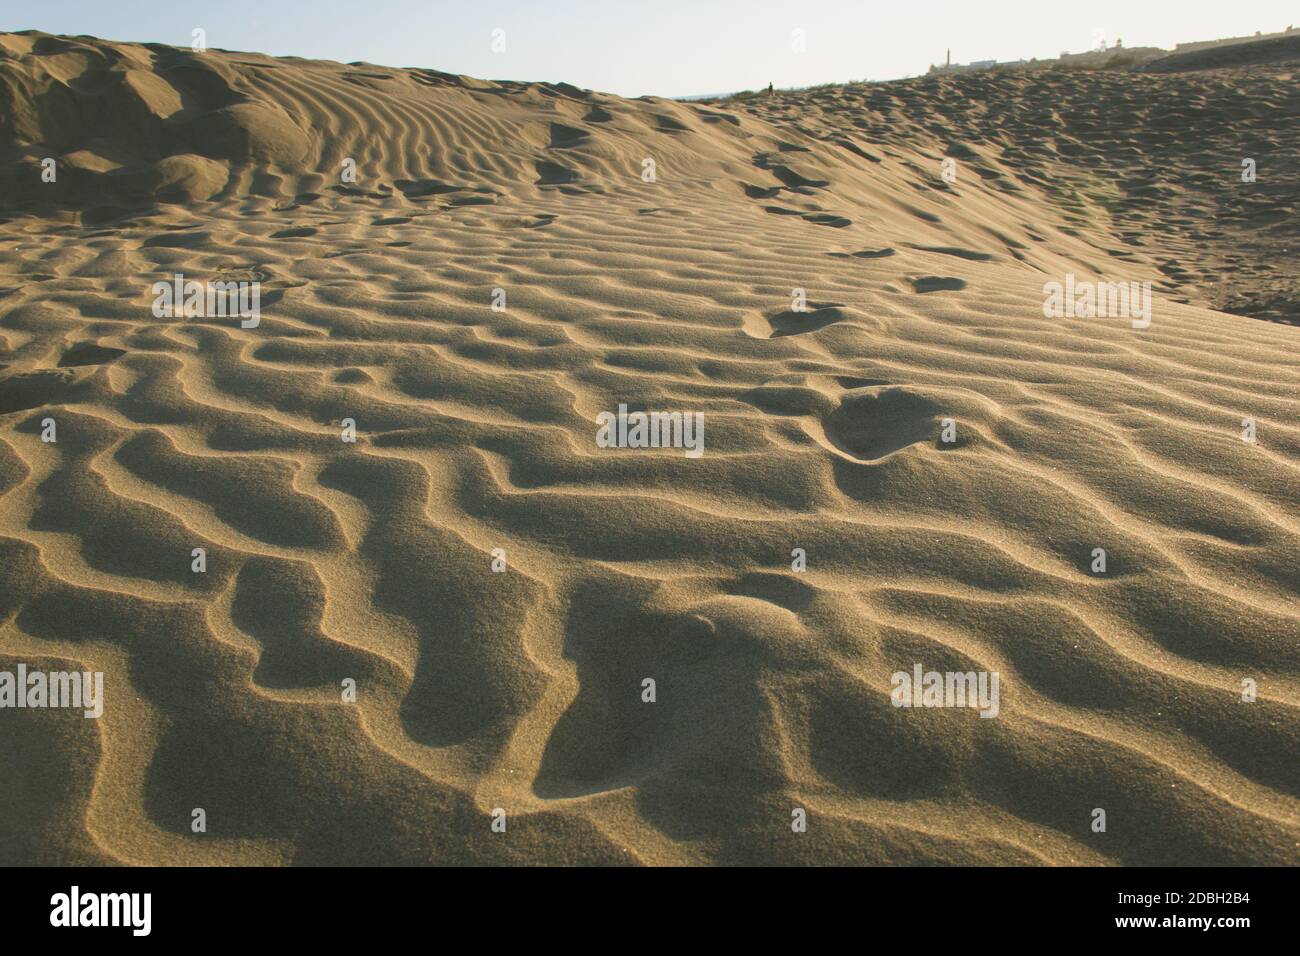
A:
[801,273]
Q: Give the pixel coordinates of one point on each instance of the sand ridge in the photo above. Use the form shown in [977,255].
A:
[475,432]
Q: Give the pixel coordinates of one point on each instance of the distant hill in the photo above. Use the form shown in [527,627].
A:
[1200,55]
[1278,49]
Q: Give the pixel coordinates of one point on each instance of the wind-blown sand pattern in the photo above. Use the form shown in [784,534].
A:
[522,690]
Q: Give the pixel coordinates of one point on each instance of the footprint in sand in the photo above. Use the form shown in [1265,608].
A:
[89,353]
[666,124]
[553,174]
[864,254]
[26,390]
[567,137]
[828,219]
[417,188]
[720,118]
[873,425]
[937,284]
[790,322]
[968,254]
[472,201]
[793,180]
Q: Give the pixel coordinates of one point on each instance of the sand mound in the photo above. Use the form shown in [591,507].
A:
[906,462]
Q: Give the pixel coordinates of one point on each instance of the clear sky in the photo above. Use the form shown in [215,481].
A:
[660,47]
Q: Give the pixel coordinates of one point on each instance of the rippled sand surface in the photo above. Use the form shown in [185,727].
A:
[800,272]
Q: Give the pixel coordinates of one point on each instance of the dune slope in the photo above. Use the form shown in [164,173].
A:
[796,269]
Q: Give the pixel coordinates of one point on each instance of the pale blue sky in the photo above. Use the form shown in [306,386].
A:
[661,47]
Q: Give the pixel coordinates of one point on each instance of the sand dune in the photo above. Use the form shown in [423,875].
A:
[800,272]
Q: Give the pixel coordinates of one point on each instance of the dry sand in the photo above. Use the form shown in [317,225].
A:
[475,431]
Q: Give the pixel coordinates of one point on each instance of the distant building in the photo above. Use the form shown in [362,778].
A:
[972,67]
